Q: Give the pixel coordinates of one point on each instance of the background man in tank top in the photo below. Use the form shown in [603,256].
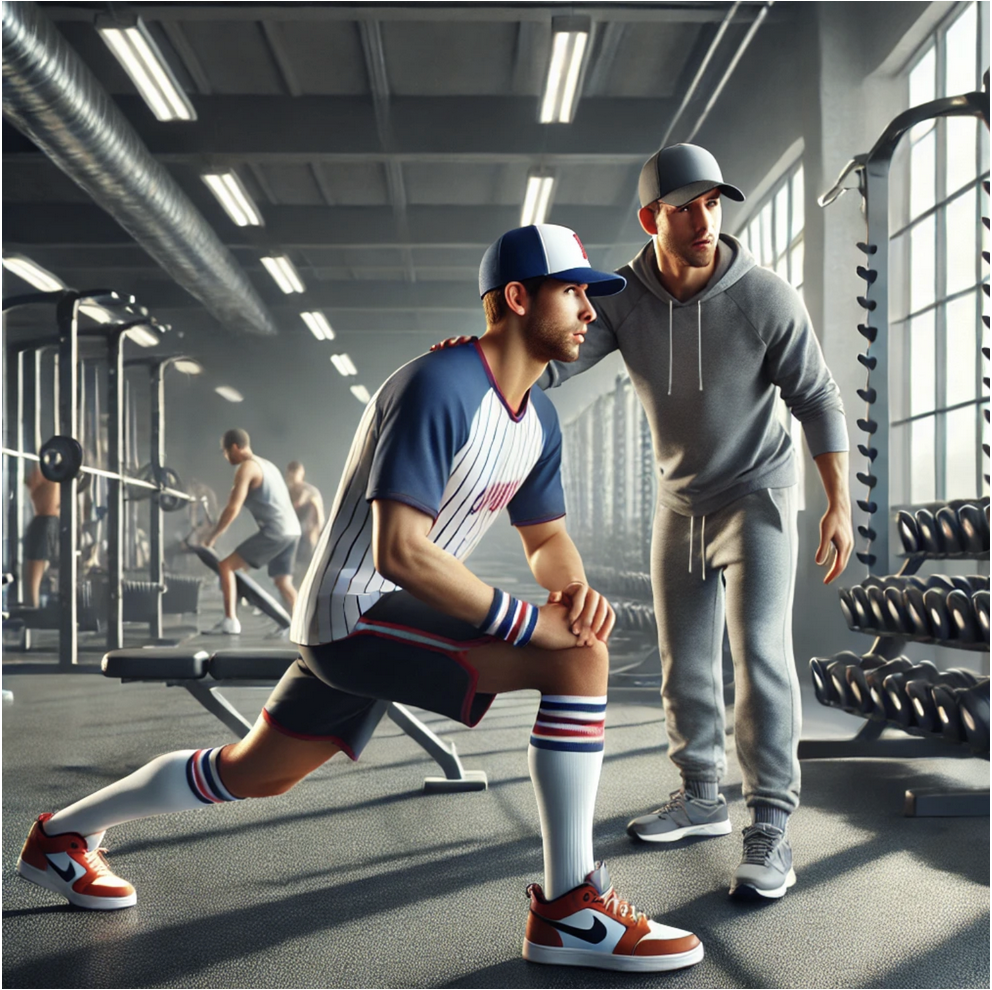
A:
[259,487]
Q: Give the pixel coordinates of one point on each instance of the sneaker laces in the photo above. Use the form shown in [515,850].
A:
[616,905]
[758,845]
[675,800]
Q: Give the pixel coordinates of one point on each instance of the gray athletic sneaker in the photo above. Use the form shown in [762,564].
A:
[681,816]
[766,867]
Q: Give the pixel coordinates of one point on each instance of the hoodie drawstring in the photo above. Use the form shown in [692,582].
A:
[702,543]
[670,335]
[699,343]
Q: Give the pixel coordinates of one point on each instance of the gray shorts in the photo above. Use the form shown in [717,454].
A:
[41,541]
[279,552]
[401,650]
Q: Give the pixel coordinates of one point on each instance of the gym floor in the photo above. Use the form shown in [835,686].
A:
[358,879]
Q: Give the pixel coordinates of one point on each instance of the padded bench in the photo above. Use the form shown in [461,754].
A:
[204,675]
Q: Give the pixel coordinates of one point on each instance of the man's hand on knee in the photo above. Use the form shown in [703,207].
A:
[552,631]
[590,615]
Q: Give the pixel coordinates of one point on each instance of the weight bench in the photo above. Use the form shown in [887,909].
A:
[248,589]
[204,675]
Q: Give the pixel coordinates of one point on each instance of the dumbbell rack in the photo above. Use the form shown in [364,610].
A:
[872,174]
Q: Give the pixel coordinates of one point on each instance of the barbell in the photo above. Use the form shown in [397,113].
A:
[61,458]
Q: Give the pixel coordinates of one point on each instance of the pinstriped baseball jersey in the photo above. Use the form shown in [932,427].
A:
[438,436]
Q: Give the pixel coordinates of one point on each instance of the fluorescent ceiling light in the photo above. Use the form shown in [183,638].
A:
[231,394]
[135,48]
[536,199]
[143,336]
[285,275]
[187,366]
[32,273]
[318,325]
[96,313]
[232,195]
[562,85]
[361,393]
[344,364]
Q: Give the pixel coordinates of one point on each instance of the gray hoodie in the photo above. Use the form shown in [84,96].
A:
[705,371]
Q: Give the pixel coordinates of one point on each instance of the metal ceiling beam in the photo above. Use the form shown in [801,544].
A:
[639,13]
[345,128]
[83,225]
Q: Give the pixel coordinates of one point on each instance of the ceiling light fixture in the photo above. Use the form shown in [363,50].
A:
[318,325]
[231,394]
[138,52]
[234,197]
[344,364]
[143,336]
[537,199]
[285,275]
[96,313]
[32,273]
[570,37]
[361,393]
[187,366]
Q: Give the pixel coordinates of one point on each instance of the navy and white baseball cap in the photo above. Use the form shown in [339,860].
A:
[679,173]
[543,249]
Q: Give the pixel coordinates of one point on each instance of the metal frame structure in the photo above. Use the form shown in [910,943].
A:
[66,340]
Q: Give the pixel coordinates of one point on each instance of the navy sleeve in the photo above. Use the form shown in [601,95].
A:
[541,498]
[421,424]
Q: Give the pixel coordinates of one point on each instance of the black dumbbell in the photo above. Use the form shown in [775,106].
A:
[895,602]
[943,581]
[964,625]
[859,694]
[917,615]
[959,677]
[930,535]
[950,530]
[908,531]
[973,704]
[935,600]
[898,705]
[979,582]
[862,608]
[961,583]
[880,610]
[980,604]
[836,672]
[822,686]
[921,697]
[945,701]
[866,684]
[847,608]
[974,528]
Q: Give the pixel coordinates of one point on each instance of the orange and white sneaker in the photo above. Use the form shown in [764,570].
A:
[66,864]
[592,926]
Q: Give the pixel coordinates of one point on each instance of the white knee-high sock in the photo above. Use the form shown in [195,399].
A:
[565,757]
[181,781]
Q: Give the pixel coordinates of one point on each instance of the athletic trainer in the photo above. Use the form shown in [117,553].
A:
[710,341]
[446,443]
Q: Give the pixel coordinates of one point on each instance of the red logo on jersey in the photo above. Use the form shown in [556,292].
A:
[495,496]
[581,248]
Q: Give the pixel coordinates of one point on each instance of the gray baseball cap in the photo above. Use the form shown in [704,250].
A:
[679,173]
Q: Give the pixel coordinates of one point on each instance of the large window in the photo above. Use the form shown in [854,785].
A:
[936,392]
[774,235]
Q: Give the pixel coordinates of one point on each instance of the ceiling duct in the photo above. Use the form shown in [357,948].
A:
[50,96]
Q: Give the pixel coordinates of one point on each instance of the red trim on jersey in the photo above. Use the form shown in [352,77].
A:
[519,414]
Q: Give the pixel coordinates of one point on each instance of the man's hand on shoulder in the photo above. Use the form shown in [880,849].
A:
[452,342]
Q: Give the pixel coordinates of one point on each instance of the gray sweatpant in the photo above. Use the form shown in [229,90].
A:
[737,565]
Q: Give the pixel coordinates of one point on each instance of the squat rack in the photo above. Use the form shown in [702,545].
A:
[125,316]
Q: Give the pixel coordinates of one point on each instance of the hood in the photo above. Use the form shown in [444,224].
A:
[734,261]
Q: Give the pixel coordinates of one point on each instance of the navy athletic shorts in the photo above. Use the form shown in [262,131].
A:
[41,541]
[400,650]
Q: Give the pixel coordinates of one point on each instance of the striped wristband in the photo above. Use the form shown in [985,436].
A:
[510,619]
